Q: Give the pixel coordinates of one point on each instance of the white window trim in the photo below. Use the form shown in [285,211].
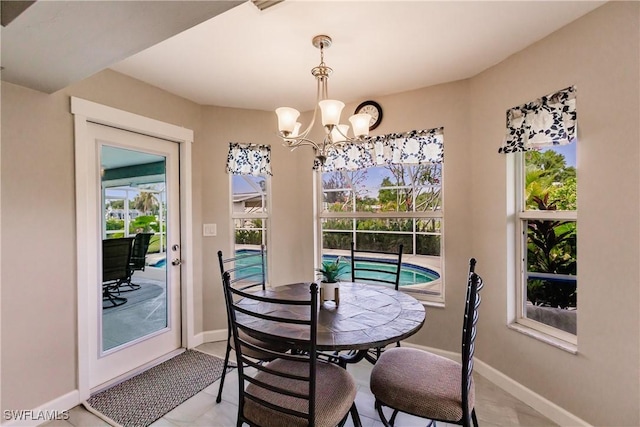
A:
[518,320]
[434,300]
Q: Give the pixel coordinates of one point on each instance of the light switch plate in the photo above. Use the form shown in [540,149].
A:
[209,229]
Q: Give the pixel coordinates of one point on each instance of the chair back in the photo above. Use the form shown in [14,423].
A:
[139,251]
[116,255]
[474,285]
[246,270]
[263,391]
[376,266]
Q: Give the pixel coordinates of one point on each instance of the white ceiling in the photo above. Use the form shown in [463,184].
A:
[254,59]
[246,58]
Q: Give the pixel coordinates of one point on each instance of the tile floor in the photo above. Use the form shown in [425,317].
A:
[494,407]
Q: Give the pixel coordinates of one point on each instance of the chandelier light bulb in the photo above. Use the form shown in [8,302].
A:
[287,120]
[339,133]
[360,124]
[331,110]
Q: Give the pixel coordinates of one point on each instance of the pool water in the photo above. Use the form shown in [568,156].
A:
[410,274]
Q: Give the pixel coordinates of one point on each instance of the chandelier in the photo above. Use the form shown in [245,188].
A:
[330,110]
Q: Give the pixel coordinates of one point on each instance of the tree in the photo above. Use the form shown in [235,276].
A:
[146,202]
[549,164]
[349,181]
[116,204]
[418,188]
[551,244]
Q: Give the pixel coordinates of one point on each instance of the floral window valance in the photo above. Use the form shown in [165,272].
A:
[414,147]
[550,120]
[249,159]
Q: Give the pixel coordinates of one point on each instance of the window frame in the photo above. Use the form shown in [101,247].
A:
[265,216]
[354,215]
[549,333]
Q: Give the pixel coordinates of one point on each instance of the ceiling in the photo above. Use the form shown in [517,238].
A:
[48,45]
[247,58]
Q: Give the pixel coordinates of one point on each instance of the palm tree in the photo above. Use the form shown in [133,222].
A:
[146,202]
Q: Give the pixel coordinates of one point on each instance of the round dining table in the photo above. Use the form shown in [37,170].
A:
[367,316]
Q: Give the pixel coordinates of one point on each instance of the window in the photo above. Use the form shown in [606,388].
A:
[380,206]
[249,167]
[249,212]
[547,223]
[541,136]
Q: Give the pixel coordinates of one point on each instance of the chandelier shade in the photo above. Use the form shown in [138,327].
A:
[330,110]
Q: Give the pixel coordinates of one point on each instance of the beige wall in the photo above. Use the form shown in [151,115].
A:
[38,228]
[598,53]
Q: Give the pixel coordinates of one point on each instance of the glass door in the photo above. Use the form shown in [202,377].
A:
[137,311]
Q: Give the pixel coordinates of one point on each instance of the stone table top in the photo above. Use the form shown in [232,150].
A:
[368,316]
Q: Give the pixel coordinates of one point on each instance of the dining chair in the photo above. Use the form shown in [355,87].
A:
[426,385]
[116,255]
[296,388]
[376,267]
[138,260]
[247,272]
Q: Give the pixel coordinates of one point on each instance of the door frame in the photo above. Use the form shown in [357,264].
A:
[86,213]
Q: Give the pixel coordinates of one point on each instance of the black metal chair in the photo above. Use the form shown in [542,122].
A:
[138,260]
[296,388]
[247,272]
[376,267]
[426,385]
[116,255]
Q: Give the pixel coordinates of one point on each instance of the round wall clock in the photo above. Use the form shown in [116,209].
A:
[372,108]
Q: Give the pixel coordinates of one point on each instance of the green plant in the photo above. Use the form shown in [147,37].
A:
[332,270]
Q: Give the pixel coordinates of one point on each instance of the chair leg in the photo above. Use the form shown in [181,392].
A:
[224,371]
[384,420]
[474,418]
[355,416]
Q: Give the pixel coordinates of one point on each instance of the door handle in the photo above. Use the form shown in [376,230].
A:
[176,262]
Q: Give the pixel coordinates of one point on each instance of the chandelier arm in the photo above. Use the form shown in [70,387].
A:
[300,142]
[304,134]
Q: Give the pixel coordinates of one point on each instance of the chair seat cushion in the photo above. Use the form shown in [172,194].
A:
[420,383]
[255,354]
[335,393]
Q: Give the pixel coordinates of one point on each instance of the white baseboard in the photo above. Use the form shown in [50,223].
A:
[216,335]
[546,407]
[54,409]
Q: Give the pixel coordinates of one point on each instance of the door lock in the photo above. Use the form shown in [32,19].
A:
[176,262]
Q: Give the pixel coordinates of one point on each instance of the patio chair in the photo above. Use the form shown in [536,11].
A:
[138,260]
[116,255]
[426,385]
[376,267]
[247,273]
[296,388]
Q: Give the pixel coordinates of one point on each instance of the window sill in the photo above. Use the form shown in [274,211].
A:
[553,341]
[433,304]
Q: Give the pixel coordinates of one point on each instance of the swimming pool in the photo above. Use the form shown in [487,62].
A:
[410,274]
